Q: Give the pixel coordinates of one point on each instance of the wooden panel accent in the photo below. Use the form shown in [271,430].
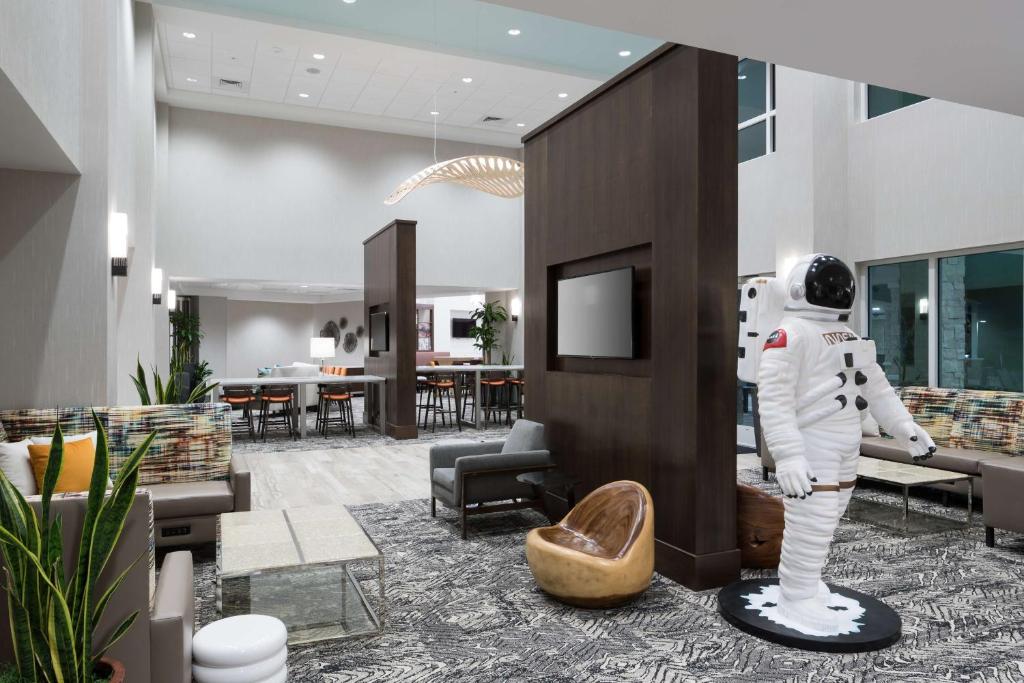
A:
[760,521]
[389,278]
[643,173]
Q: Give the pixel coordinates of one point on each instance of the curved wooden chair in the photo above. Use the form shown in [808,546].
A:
[602,553]
[760,521]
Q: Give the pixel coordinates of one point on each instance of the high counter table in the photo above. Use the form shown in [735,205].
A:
[299,414]
[477,370]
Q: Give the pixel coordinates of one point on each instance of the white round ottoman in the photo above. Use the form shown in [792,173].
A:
[251,648]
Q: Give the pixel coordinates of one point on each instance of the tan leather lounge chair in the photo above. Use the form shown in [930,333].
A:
[602,553]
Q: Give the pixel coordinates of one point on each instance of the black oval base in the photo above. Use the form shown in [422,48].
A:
[882,626]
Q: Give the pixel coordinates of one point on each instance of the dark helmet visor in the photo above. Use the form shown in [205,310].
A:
[830,284]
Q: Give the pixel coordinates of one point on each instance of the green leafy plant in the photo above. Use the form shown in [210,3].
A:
[485,332]
[186,334]
[201,373]
[508,358]
[52,617]
[166,392]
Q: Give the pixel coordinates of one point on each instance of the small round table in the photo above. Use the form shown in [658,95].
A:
[558,483]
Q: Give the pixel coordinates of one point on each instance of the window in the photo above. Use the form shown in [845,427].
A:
[898,320]
[883,100]
[756,109]
[981,321]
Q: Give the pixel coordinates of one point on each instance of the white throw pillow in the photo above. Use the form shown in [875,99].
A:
[868,425]
[68,438]
[17,466]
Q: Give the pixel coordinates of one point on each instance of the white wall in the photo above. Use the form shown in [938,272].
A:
[267,199]
[65,339]
[444,308]
[41,55]
[935,176]
[241,336]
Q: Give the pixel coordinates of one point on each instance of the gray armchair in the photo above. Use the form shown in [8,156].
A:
[467,476]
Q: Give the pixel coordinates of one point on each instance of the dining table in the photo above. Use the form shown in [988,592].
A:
[299,410]
[463,370]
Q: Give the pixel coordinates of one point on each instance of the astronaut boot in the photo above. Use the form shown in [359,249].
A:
[803,597]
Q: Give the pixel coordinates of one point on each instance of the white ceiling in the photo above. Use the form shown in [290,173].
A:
[292,292]
[358,83]
[968,52]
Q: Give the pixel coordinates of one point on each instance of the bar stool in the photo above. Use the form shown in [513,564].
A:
[244,398]
[494,395]
[516,396]
[282,397]
[336,394]
[443,401]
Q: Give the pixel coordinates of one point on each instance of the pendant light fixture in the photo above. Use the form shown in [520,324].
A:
[490,173]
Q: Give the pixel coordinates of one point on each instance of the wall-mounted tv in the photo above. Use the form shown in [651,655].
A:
[462,328]
[379,331]
[595,315]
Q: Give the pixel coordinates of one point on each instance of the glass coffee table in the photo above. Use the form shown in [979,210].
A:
[304,566]
[905,476]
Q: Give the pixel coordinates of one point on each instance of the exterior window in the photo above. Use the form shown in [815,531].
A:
[981,321]
[756,109]
[898,320]
[883,100]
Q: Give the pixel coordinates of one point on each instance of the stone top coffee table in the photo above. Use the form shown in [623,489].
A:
[904,475]
[304,566]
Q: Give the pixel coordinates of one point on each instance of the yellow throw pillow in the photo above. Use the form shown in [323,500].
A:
[76,469]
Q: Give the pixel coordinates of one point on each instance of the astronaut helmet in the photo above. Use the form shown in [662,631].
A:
[822,286]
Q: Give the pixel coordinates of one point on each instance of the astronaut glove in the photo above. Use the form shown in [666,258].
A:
[915,440]
[794,476]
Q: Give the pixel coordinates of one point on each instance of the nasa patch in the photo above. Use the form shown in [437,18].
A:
[776,340]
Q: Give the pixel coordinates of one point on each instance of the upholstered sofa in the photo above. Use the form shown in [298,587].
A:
[158,647]
[980,433]
[189,469]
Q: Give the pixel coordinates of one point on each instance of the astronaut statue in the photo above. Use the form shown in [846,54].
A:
[814,378]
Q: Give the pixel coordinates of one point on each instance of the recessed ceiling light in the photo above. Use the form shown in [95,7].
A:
[349,2]
[317,55]
[520,125]
[741,77]
[562,95]
[303,95]
[189,35]
[467,79]
[304,286]
[435,113]
[625,53]
[514,32]
[192,80]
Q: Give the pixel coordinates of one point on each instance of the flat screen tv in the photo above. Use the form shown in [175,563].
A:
[461,328]
[379,331]
[595,315]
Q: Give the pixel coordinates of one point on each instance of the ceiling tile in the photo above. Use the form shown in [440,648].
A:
[270,48]
[232,72]
[193,51]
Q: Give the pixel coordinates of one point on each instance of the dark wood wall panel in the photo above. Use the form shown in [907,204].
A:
[389,279]
[643,172]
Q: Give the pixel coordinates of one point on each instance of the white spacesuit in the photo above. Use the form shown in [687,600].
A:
[814,378]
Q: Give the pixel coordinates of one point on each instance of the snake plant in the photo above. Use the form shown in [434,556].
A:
[54,612]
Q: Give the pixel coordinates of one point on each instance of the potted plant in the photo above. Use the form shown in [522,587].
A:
[186,334]
[169,392]
[52,617]
[487,316]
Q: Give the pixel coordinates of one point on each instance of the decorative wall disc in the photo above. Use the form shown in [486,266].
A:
[500,176]
[343,322]
[330,329]
[360,330]
[350,342]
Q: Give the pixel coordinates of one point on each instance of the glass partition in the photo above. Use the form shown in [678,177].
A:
[898,320]
[981,321]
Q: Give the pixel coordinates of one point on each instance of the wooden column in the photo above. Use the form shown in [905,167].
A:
[389,279]
[642,173]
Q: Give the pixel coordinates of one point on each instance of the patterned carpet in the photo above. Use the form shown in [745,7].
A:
[469,611]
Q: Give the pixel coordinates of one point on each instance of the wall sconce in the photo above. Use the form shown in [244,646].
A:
[157,284]
[172,300]
[515,308]
[118,244]
[922,308]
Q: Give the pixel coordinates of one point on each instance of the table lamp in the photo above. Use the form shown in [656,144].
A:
[321,347]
